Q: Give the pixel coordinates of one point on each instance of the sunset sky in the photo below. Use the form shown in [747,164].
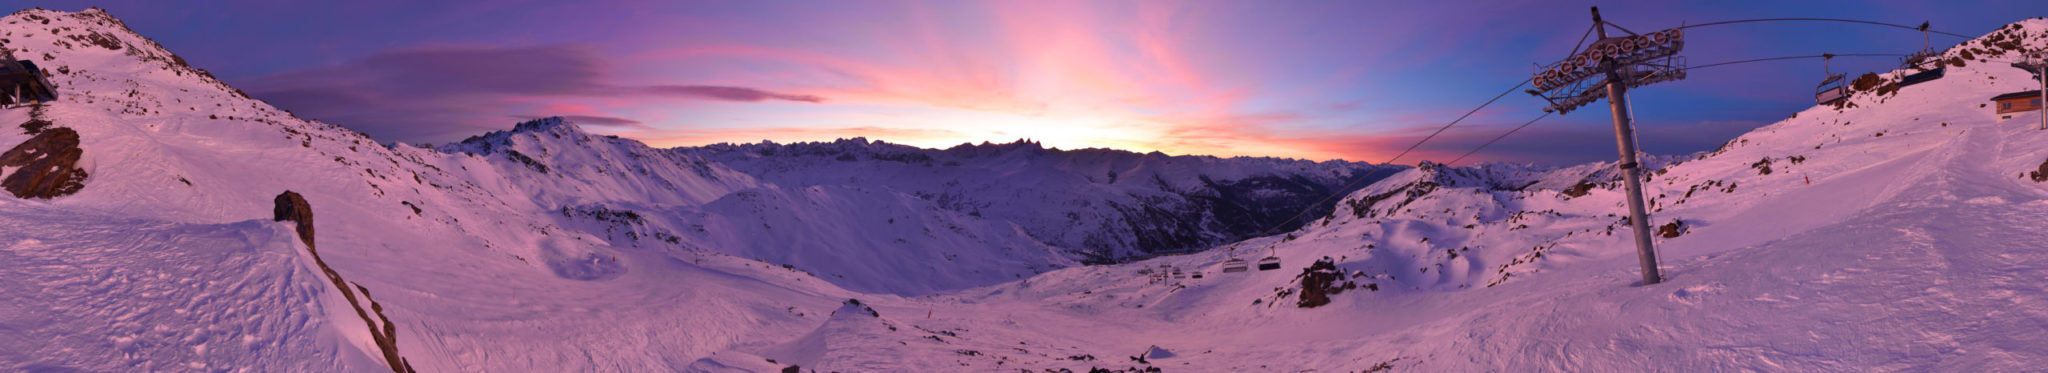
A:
[1356,80]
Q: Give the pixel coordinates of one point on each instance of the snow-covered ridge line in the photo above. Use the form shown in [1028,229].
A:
[1105,205]
[1912,210]
[857,144]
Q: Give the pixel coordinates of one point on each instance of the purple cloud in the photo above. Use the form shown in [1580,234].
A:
[441,94]
[729,93]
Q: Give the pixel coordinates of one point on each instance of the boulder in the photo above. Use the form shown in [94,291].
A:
[290,206]
[45,166]
[1671,230]
[1580,189]
[2040,174]
[1321,280]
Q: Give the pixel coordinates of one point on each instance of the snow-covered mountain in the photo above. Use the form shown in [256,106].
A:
[1894,232]
[1107,205]
[543,211]
[1897,231]
[630,195]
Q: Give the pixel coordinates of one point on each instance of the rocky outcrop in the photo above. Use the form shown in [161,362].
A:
[2039,174]
[1321,280]
[1580,189]
[290,206]
[45,166]
[1672,230]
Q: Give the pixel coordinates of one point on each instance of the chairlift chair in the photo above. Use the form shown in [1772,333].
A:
[1831,89]
[1924,76]
[1269,263]
[1235,265]
[1922,60]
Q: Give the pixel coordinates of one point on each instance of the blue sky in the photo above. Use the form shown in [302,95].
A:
[1356,80]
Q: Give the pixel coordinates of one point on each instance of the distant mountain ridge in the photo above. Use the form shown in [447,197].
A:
[1105,204]
[1898,231]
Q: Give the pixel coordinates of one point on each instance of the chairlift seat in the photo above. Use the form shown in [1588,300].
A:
[1235,266]
[1831,96]
[1924,76]
[1831,90]
[1269,263]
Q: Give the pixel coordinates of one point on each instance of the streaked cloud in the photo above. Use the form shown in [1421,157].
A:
[1318,80]
[437,94]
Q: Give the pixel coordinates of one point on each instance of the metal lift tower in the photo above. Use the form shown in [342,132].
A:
[1622,62]
[2037,62]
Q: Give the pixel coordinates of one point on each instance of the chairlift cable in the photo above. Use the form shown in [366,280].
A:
[1632,112]
[1361,178]
[1582,40]
[1461,118]
[1914,28]
[1498,138]
[1690,68]
[1623,29]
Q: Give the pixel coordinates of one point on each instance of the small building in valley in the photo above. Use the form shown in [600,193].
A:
[2017,102]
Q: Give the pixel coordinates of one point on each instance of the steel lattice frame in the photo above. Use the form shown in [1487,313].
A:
[1639,60]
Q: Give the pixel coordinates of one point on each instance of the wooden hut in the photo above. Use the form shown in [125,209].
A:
[2016,102]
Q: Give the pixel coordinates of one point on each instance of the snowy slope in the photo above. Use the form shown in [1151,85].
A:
[1910,248]
[635,196]
[90,292]
[473,280]
[484,261]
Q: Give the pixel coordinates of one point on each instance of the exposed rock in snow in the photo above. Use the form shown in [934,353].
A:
[623,257]
[292,207]
[44,166]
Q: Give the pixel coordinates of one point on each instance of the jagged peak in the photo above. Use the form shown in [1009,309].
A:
[555,127]
[547,124]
